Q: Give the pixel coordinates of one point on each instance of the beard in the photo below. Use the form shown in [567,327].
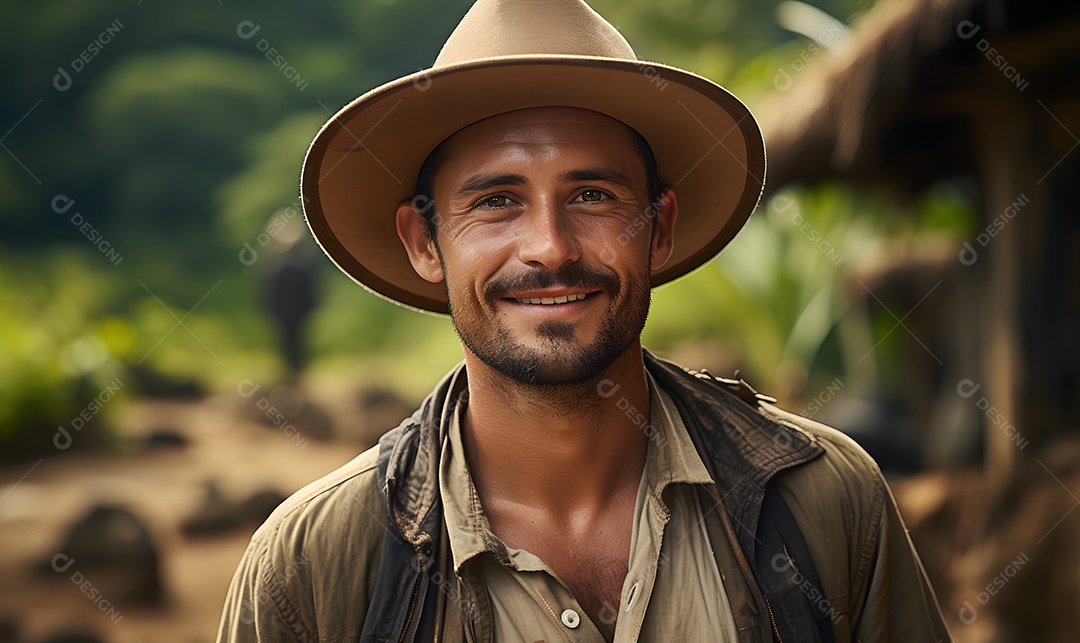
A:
[560,359]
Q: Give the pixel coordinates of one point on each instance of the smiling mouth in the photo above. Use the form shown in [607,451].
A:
[549,301]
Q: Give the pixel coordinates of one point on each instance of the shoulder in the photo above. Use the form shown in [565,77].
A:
[769,435]
[328,504]
[843,484]
[840,501]
[339,517]
[872,576]
[844,461]
[310,568]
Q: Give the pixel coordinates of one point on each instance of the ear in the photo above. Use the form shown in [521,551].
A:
[412,229]
[662,242]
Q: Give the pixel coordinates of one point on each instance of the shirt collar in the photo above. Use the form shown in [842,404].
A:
[671,459]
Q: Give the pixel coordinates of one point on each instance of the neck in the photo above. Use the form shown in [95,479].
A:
[556,447]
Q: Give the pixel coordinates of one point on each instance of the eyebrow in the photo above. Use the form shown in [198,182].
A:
[481,182]
[606,174]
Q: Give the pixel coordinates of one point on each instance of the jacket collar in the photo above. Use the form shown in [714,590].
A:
[740,442]
[408,465]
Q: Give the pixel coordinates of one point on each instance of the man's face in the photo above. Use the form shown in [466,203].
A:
[546,260]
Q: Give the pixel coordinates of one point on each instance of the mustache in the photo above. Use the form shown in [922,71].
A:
[569,276]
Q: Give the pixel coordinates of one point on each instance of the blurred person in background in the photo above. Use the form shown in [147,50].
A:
[289,296]
[564,483]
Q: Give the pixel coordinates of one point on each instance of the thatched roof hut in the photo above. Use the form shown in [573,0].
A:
[907,99]
[982,91]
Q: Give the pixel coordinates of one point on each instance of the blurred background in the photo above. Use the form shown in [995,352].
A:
[176,356]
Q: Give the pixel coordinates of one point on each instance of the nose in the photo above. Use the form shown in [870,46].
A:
[547,237]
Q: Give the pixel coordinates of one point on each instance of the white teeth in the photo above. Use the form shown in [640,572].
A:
[547,301]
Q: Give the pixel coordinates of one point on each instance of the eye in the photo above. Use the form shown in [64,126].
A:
[494,202]
[593,196]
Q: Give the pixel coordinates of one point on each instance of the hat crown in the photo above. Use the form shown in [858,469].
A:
[504,28]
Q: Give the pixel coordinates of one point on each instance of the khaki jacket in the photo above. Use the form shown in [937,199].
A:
[310,572]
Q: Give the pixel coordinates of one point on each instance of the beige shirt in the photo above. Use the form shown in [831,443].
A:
[673,590]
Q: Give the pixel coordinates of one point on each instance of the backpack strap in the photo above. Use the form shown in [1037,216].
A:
[403,601]
[787,577]
[784,570]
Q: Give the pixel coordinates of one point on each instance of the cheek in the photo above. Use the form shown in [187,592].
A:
[473,257]
[618,243]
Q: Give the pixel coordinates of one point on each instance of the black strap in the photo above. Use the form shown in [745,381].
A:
[403,600]
[785,571]
[787,577]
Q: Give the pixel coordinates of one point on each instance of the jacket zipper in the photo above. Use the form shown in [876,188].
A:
[772,619]
[412,603]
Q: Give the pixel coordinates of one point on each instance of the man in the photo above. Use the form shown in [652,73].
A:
[563,483]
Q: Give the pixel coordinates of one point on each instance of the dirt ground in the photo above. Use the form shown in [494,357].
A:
[162,486]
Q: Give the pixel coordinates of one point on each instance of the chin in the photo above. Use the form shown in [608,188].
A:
[556,352]
[557,361]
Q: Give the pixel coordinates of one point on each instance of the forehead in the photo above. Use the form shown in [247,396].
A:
[540,134]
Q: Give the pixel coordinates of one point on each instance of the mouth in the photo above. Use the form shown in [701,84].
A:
[551,300]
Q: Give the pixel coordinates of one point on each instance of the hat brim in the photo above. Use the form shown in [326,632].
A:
[365,159]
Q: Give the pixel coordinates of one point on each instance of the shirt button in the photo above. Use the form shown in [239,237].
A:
[570,618]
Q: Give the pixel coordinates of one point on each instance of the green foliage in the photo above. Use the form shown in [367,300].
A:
[270,181]
[69,327]
[777,289]
[946,207]
[397,347]
[180,141]
[142,116]
[56,338]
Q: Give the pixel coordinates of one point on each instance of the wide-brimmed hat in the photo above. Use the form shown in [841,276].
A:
[507,55]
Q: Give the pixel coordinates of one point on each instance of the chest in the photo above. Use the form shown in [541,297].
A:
[593,572]
[591,559]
